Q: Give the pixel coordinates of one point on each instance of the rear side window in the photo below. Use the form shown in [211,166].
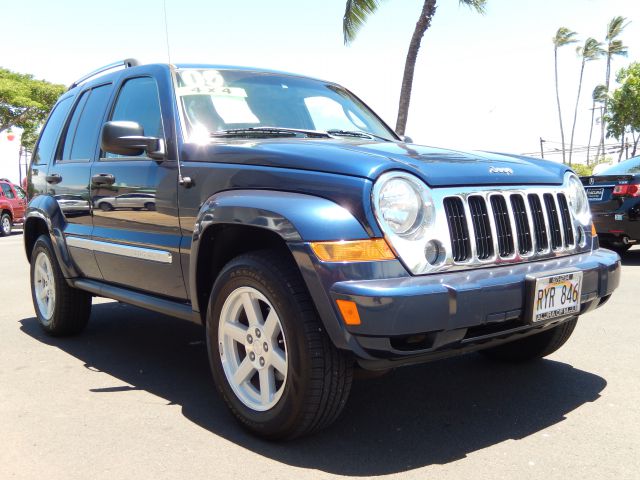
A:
[7,191]
[85,124]
[628,167]
[49,135]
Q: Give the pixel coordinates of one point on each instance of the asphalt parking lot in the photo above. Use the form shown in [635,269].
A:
[132,398]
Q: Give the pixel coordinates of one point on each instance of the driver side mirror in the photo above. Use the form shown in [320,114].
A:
[406,138]
[127,138]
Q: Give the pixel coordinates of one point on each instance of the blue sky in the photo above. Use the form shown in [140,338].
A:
[482,82]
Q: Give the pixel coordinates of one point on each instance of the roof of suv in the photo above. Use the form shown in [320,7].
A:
[105,73]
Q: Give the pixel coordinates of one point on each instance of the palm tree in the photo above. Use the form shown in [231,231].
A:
[613,48]
[592,50]
[563,37]
[356,14]
[599,95]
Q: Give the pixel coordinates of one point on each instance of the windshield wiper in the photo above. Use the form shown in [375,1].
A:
[355,133]
[270,131]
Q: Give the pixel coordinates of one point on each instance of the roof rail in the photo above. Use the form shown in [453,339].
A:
[126,63]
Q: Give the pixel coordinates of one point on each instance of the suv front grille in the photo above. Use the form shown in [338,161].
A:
[457,221]
[493,225]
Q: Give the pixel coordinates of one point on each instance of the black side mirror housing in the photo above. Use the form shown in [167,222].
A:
[127,138]
[406,138]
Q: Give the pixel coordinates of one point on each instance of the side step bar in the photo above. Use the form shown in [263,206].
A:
[150,302]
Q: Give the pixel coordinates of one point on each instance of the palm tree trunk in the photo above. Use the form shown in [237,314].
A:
[621,148]
[635,143]
[575,112]
[593,114]
[604,108]
[423,24]
[555,56]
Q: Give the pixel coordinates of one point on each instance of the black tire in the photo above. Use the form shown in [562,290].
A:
[5,225]
[151,206]
[106,207]
[72,307]
[620,249]
[319,375]
[533,347]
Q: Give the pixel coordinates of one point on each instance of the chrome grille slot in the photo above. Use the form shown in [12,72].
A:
[503,225]
[567,227]
[481,227]
[458,228]
[523,232]
[554,221]
[542,238]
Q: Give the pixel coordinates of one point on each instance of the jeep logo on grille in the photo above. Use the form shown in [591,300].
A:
[505,170]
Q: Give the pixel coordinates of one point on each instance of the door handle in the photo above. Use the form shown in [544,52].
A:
[54,178]
[103,179]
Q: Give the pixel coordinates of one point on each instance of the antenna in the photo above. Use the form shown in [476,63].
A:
[166,31]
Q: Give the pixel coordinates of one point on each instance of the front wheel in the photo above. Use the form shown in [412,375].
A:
[5,225]
[61,309]
[533,347]
[271,359]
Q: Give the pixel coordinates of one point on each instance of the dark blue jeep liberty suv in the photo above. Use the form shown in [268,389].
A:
[309,239]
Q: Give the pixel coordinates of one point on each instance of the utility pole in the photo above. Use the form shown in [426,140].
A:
[542,147]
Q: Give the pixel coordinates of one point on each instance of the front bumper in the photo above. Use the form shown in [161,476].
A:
[415,319]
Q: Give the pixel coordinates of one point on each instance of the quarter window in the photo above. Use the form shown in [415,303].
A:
[49,136]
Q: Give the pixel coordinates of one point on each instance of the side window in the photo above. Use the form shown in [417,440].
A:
[49,136]
[21,193]
[7,191]
[138,101]
[84,127]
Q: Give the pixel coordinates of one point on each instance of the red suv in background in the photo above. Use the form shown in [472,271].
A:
[13,202]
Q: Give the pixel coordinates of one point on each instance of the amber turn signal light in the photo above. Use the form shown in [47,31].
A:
[349,311]
[593,230]
[373,249]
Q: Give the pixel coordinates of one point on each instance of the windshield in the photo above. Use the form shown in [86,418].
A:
[628,167]
[218,101]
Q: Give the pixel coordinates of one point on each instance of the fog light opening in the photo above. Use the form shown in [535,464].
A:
[434,252]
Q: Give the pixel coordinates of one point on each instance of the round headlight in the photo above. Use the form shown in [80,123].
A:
[577,197]
[400,206]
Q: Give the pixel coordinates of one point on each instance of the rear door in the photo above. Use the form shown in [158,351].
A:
[137,241]
[18,202]
[68,177]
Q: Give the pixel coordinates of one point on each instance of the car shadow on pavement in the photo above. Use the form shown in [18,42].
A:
[410,418]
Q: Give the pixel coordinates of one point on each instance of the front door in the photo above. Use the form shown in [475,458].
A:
[136,236]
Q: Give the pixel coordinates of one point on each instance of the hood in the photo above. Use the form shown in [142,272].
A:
[435,166]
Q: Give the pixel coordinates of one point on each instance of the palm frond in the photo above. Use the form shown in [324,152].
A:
[591,50]
[615,27]
[616,47]
[599,93]
[564,36]
[356,13]
[479,6]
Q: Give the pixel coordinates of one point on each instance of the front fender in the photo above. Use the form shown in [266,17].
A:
[46,208]
[296,218]
[293,216]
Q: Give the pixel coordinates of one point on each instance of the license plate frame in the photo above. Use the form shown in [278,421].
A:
[595,193]
[550,306]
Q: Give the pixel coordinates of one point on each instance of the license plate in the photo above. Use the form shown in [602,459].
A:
[556,296]
[619,216]
[595,193]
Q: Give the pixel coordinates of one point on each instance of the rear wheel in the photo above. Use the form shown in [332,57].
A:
[273,363]
[106,207]
[533,347]
[61,309]
[5,225]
